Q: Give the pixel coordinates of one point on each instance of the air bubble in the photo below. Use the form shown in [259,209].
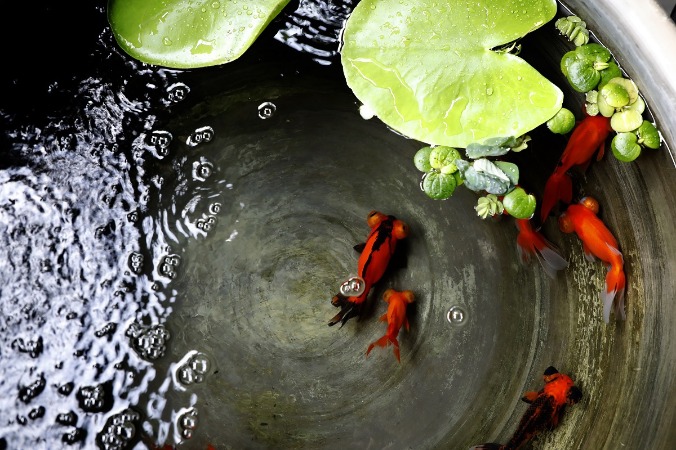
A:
[149,342]
[214,208]
[201,170]
[160,141]
[120,430]
[177,92]
[199,136]
[456,315]
[353,287]
[266,110]
[194,370]
[136,262]
[168,265]
[96,398]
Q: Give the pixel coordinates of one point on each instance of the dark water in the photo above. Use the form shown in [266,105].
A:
[171,240]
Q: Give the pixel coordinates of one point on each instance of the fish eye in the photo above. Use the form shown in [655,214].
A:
[591,204]
[400,229]
[565,224]
[374,218]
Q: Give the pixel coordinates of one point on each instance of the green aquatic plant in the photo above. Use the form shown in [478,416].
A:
[440,176]
[627,146]
[497,146]
[189,33]
[519,204]
[589,66]
[488,206]
[429,69]
[563,122]
[574,28]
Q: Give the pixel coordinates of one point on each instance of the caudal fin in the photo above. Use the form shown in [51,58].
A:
[383,342]
[534,243]
[613,295]
[559,187]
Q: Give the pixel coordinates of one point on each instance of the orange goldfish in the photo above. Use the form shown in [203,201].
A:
[373,260]
[598,241]
[530,242]
[545,410]
[395,318]
[588,136]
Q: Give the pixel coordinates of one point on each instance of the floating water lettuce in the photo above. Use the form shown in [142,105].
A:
[427,68]
[189,33]
[496,146]
[493,177]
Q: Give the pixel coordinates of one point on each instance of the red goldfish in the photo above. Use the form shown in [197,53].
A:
[373,260]
[588,136]
[598,241]
[545,410]
[395,318]
[530,242]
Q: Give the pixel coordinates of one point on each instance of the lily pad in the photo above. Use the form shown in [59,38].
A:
[519,204]
[189,33]
[428,70]
[438,186]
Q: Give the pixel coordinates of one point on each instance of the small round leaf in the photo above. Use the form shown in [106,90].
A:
[422,159]
[562,123]
[625,147]
[442,156]
[438,186]
[519,204]
[648,135]
[625,121]
[615,95]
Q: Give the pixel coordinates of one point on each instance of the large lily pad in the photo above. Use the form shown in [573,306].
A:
[427,68]
[189,33]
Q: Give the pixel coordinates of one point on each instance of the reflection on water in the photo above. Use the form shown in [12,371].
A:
[94,214]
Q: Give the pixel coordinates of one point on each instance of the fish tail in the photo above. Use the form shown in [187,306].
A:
[534,243]
[489,446]
[613,296]
[382,342]
[559,187]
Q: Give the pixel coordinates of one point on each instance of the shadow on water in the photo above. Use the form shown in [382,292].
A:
[172,239]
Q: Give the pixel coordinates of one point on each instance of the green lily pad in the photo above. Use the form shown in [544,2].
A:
[189,33]
[428,70]
[625,121]
[648,136]
[519,204]
[563,122]
[443,158]
[421,159]
[625,147]
[438,186]
[615,95]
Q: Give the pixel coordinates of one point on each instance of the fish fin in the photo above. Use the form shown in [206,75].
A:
[382,342]
[559,187]
[588,255]
[529,396]
[602,150]
[407,324]
[397,353]
[613,295]
[551,261]
[524,255]
[383,318]
[489,446]
[347,311]
[360,247]
[535,243]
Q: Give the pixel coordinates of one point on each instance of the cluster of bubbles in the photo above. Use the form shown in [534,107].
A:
[353,286]
[96,398]
[199,136]
[158,141]
[120,430]
[149,342]
[29,392]
[33,348]
[207,222]
[177,92]
[187,423]
[168,265]
[194,369]
[136,262]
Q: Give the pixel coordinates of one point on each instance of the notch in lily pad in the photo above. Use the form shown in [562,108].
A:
[441,81]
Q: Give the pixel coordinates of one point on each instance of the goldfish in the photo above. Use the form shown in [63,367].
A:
[395,318]
[598,241]
[530,242]
[544,412]
[375,256]
[588,136]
